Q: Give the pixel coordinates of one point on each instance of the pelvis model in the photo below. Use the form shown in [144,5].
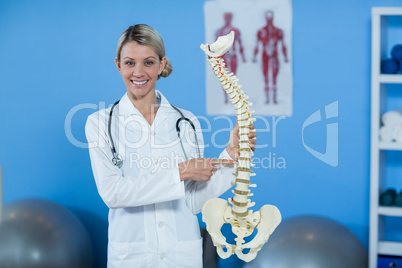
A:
[236,212]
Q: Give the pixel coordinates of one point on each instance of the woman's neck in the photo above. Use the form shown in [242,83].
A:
[147,105]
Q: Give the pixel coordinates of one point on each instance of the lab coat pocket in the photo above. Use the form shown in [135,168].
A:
[127,255]
[189,253]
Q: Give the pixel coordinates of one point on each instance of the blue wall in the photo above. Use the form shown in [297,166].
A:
[55,55]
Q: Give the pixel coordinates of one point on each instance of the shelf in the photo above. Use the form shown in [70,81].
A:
[391,78]
[390,146]
[390,248]
[390,211]
[379,83]
[387,11]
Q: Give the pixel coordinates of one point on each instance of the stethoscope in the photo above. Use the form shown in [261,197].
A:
[117,160]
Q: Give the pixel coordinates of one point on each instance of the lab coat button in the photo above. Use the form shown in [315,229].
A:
[160,224]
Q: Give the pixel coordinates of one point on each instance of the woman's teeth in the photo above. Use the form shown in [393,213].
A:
[139,82]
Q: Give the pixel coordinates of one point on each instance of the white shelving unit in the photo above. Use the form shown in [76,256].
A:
[377,246]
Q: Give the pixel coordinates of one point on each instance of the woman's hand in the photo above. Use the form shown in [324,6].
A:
[201,169]
[233,144]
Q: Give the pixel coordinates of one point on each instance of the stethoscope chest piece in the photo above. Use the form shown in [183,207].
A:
[117,160]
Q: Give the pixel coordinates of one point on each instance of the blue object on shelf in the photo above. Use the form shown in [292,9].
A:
[387,198]
[389,66]
[389,262]
[396,52]
[398,200]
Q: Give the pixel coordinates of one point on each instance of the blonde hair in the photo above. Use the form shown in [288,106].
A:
[147,36]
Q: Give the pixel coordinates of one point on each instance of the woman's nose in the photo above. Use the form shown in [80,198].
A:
[138,70]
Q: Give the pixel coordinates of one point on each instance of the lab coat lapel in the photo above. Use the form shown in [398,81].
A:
[164,108]
[126,107]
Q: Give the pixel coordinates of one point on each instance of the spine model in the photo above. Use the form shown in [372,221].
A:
[236,212]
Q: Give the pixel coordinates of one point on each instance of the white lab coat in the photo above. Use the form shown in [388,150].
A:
[152,220]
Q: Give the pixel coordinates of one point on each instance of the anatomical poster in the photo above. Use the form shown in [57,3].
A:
[261,55]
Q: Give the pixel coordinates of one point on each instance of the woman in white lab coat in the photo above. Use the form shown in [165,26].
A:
[162,184]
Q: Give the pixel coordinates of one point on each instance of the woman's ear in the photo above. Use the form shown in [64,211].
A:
[162,65]
[117,63]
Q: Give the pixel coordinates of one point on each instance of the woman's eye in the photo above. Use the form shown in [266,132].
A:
[148,63]
[130,63]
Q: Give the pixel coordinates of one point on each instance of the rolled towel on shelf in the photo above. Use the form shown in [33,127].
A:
[398,200]
[387,198]
[387,133]
[392,118]
[391,133]
[396,52]
[398,134]
[389,66]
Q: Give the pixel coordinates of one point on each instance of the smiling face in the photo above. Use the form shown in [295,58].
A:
[139,66]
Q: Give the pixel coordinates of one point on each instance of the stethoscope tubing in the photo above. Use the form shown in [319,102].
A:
[117,160]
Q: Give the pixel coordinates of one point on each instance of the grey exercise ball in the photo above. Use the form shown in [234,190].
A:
[313,242]
[36,233]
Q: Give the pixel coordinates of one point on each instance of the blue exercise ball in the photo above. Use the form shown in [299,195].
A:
[36,233]
[314,242]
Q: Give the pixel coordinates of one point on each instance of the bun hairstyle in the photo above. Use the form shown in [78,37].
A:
[147,36]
